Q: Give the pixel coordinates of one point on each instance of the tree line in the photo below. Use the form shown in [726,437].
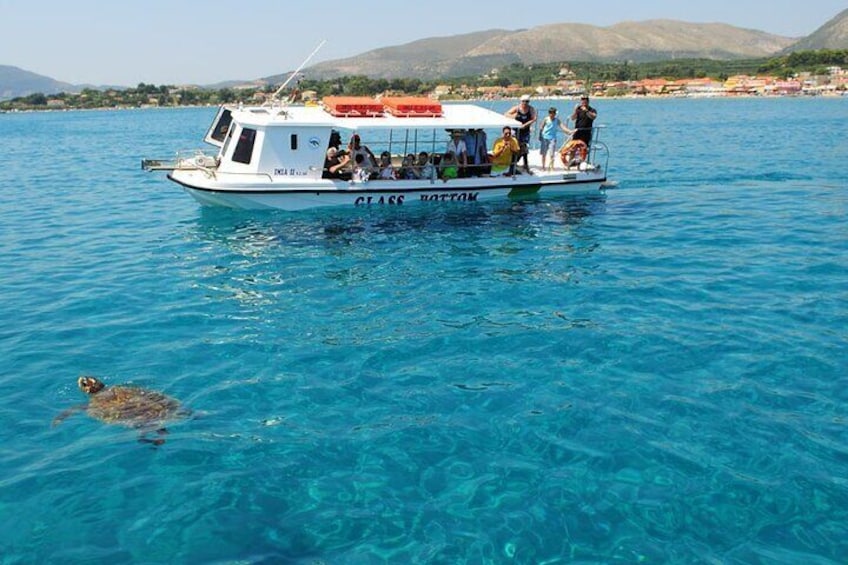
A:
[815,62]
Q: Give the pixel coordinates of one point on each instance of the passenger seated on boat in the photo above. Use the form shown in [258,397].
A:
[387,171]
[505,148]
[407,168]
[426,170]
[449,166]
[457,146]
[362,171]
[355,148]
[335,165]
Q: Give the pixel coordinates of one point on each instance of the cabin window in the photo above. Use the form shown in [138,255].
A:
[222,126]
[294,142]
[244,147]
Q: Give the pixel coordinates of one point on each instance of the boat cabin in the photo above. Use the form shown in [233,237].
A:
[289,143]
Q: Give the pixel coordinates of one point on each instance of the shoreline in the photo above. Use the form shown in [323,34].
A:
[655,97]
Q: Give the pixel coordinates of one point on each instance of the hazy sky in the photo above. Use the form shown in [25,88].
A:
[124,42]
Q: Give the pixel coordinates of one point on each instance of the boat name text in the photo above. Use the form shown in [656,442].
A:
[291,172]
[451,197]
[397,199]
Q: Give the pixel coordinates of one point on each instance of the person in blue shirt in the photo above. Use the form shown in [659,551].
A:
[549,136]
[476,143]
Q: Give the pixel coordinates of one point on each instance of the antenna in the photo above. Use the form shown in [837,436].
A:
[297,70]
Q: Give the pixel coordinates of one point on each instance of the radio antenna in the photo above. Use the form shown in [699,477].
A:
[297,70]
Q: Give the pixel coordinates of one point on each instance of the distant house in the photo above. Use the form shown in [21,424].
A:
[616,88]
[703,87]
[55,103]
[650,86]
[744,84]
[786,87]
[442,90]
[571,87]
[488,92]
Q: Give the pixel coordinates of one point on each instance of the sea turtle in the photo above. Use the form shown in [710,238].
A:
[134,407]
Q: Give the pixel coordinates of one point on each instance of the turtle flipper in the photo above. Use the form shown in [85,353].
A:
[142,437]
[69,412]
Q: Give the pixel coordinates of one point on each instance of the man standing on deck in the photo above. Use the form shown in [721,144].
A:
[584,116]
[526,114]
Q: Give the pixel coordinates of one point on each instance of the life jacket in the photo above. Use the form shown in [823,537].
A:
[574,149]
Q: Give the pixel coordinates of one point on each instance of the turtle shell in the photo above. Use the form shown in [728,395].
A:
[132,406]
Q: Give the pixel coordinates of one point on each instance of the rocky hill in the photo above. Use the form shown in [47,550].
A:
[629,41]
[832,35]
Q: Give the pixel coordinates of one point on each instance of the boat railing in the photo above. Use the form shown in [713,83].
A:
[194,159]
[598,152]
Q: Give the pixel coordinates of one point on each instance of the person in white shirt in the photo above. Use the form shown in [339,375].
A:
[457,146]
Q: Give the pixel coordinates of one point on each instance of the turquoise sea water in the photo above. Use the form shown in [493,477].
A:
[653,375]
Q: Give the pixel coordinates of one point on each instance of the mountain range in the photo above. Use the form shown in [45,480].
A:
[479,52]
[630,41]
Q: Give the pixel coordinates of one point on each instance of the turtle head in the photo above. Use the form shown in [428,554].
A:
[90,385]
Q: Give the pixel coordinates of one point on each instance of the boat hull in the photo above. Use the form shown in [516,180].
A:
[378,193]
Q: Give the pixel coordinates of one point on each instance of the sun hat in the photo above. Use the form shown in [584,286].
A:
[524,97]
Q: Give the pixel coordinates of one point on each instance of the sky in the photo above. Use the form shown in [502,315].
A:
[123,43]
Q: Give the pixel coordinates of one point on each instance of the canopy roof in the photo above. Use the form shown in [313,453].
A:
[454,116]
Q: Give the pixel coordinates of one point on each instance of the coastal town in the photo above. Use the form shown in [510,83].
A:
[829,80]
[835,82]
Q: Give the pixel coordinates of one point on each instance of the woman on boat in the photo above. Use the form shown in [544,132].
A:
[407,168]
[335,165]
[387,171]
[355,148]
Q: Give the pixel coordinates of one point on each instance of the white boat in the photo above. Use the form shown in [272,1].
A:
[272,156]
